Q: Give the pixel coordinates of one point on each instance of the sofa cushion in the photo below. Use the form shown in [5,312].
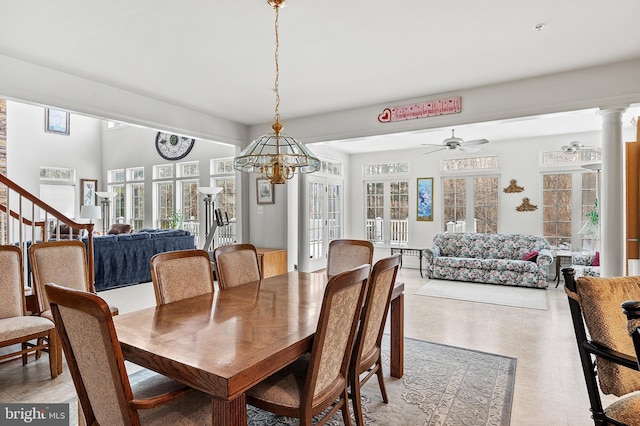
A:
[119,228]
[596,259]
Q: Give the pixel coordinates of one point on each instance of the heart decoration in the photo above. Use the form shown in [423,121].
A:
[385,117]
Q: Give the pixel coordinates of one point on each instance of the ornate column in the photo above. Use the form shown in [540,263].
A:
[612,207]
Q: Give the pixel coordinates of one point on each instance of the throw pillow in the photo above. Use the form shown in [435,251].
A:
[532,256]
[119,228]
[596,259]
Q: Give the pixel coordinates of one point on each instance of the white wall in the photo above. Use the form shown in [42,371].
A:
[133,146]
[29,147]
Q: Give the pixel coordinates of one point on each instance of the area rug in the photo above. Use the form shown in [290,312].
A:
[442,386]
[519,297]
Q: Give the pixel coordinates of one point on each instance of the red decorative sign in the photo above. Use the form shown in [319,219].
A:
[421,110]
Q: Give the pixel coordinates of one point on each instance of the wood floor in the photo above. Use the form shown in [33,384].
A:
[549,388]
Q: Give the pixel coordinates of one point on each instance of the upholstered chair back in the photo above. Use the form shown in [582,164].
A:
[236,264]
[11,298]
[181,274]
[58,262]
[339,316]
[383,278]
[347,254]
[600,300]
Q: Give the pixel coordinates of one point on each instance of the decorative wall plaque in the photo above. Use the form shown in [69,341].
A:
[526,206]
[513,187]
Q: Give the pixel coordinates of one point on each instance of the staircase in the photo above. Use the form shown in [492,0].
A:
[24,219]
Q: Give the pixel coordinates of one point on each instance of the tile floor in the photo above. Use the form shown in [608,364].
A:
[549,387]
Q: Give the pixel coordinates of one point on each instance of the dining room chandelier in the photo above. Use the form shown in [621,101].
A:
[276,156]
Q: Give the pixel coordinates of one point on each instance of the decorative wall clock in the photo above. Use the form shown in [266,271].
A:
[173,147]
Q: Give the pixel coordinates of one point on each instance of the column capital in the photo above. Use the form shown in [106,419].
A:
[613,110]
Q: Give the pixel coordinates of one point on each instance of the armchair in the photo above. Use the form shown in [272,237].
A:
[609,360]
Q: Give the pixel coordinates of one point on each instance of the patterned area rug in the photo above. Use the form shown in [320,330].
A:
[518,297]
[442,385]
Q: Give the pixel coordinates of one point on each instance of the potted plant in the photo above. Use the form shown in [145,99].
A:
[591,229]
[176,219]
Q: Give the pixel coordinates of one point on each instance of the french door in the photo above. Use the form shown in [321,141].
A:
[323,200]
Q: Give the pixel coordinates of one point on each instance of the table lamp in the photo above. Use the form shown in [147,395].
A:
[90,212]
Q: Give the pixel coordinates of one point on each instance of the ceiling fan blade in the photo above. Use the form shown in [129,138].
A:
[435,150]
[433,144]
[475,142]
[468,149]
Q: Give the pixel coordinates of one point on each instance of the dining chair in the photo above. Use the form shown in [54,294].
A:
[62,262]
[367,352]
[602,333]
[236,264]
[97,367]
[347,254]
[319,380]
[181,274]
[16,327]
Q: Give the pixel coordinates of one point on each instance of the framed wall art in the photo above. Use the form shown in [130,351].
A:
[88,192]
[56,121]
[264,191]
[425,199]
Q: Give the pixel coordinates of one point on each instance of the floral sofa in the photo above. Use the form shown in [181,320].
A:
[490,258]
[585,264]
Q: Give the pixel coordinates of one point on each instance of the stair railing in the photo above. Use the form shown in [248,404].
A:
[25,219]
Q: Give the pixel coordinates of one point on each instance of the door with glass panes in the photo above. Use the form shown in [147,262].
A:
[323,207]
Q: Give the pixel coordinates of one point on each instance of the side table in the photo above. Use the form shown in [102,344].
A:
[558,257]
[410,251]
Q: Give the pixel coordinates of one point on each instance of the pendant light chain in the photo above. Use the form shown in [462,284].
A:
[277,82]
[276,156]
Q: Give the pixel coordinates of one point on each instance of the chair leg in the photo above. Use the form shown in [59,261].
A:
[53,353]
[356,401]
[39,351]
[25,354]
[380,375]
[345,408]
[54,345]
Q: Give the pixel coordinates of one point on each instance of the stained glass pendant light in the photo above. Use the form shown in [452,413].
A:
[276,156]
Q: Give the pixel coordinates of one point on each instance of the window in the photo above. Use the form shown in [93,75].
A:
[483,217]
[163,195]
[556,214]
[387,209]
[385,169]
[583,155]
[223,175]
[485,204]
[116,183]
[454,193]
[128,204]
[470,163]
[187,182]
[57,188]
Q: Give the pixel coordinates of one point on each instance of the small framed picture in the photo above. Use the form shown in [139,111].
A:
[56,121]
[88,192]
[264,191]
[425,199]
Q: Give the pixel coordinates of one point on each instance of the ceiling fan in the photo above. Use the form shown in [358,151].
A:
[574,147]
[458,144]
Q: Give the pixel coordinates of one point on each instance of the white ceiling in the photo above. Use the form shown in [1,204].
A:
[217,57]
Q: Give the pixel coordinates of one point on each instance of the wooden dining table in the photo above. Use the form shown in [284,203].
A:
[226,342]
